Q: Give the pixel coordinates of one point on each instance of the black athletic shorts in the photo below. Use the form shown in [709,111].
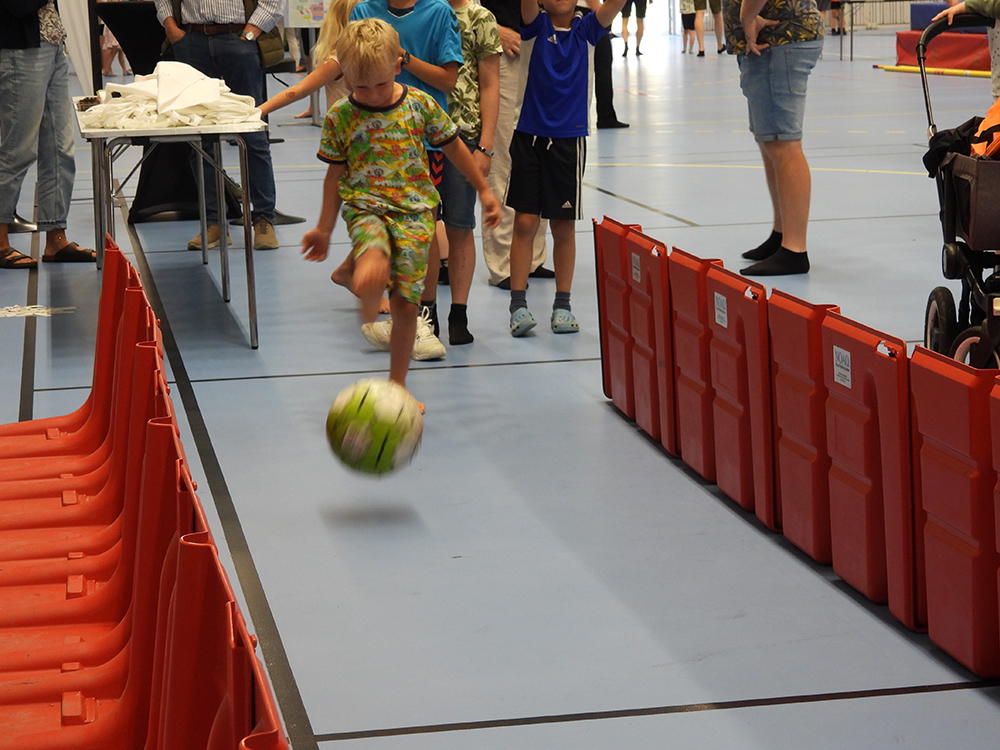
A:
[546,176]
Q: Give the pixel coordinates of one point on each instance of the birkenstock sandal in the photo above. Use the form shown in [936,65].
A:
[71,253]
[563,321]
[11,258]
[521,321]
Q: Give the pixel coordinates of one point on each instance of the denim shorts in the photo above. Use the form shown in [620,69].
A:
[774,84]
[458,198]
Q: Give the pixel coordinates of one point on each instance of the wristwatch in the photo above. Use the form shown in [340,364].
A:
[404,59]
[485,151]
[248,36]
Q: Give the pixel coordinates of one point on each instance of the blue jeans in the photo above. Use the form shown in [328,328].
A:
[774,84]
[237,62]
[36,124]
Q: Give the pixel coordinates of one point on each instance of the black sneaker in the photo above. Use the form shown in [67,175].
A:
[542,273]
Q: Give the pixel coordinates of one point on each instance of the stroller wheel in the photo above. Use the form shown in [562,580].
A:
[940,321]
[963,350]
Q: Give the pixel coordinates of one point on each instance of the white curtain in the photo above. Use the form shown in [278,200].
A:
[75,15]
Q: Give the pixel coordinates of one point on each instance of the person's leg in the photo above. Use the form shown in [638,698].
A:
[625,16]
[401,338]
[720,41]
[497,240]
[603,87]
[639,28]
[22,74]
[563,252]
[791,191]
[525,226]
[699,30]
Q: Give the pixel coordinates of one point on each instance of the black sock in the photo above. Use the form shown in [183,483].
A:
[518,299]
[782,263]
[766,248]
[562,301]
[458,325]
[433,308]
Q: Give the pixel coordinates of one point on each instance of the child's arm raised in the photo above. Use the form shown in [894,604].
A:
[316,242]
[529,11]
[326,72]
[442,77]
[608,10]
[459,155]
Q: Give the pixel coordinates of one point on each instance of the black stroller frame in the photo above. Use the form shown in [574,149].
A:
[969,194]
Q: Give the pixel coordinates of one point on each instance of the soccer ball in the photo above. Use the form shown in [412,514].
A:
[374,426]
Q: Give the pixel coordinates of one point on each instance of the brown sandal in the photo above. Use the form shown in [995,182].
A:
[11,258]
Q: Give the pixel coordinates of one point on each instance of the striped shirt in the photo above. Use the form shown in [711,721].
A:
[222,11]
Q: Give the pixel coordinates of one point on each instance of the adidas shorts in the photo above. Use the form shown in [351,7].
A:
[546,176]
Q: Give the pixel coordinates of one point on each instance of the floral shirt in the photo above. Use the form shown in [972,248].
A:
[798,21]
[384,151]
[480,39]
[50,25]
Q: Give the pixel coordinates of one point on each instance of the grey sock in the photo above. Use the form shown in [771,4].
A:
[562,301]
[518,299]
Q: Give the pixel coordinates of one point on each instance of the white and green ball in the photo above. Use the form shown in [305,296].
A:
[374,426]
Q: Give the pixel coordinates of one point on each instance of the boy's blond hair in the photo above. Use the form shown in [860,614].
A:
[367,47]
[336,18]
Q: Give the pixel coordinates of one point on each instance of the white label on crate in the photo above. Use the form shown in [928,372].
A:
[636,268]
[842,366]
[721,310]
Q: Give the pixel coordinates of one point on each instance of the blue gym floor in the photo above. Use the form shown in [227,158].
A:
[542,576]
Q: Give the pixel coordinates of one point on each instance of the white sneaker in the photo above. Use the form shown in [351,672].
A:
[425,346]
[377,333]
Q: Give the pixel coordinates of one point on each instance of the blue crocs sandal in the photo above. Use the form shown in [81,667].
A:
[521,321]
[564,322]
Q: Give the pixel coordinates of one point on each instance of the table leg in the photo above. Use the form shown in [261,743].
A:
[220,195]
[97,170]
[248,242]
[202,206]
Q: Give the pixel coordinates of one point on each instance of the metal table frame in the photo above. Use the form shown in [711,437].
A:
[107,144]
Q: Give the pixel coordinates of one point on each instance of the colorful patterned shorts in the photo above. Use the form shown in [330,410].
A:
[405,240]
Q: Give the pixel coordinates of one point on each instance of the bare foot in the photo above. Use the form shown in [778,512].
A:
[304,115]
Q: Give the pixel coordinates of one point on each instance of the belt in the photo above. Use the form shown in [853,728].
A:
[212,29]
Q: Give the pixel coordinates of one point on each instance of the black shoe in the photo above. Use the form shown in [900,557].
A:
[612,124]
[701,53]
[637,52]
[504,284]
[625,53]
[542,273]
[721,50]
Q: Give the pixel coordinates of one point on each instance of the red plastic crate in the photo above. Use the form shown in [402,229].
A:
[741,381]
[613,302]
[692,361]
[954,480]
[802,465]
[875,529]
[652,349]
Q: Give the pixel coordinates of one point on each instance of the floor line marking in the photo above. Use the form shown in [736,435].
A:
[657,710]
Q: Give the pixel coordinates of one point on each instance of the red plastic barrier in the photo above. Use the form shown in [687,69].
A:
[116,277]
[692,361]
[652,350]
[802,465]
[613,302]
[741,382]
[954,480]
[874,528]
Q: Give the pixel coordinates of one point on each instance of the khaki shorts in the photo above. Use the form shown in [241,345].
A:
[715,5]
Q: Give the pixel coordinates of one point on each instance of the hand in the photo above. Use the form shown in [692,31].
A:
[510,40]
[483,162]
[951,12]
[491,208]
[174,32]
[753,27]
[315,244]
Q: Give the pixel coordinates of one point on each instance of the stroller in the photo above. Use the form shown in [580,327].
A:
[969,193]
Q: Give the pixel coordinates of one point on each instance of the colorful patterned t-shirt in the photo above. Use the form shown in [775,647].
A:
[384,151]
[798,21]
[480,39]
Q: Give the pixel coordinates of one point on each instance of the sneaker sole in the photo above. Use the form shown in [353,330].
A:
[426,356]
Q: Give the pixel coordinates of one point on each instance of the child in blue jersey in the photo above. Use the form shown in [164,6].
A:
[548,150]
